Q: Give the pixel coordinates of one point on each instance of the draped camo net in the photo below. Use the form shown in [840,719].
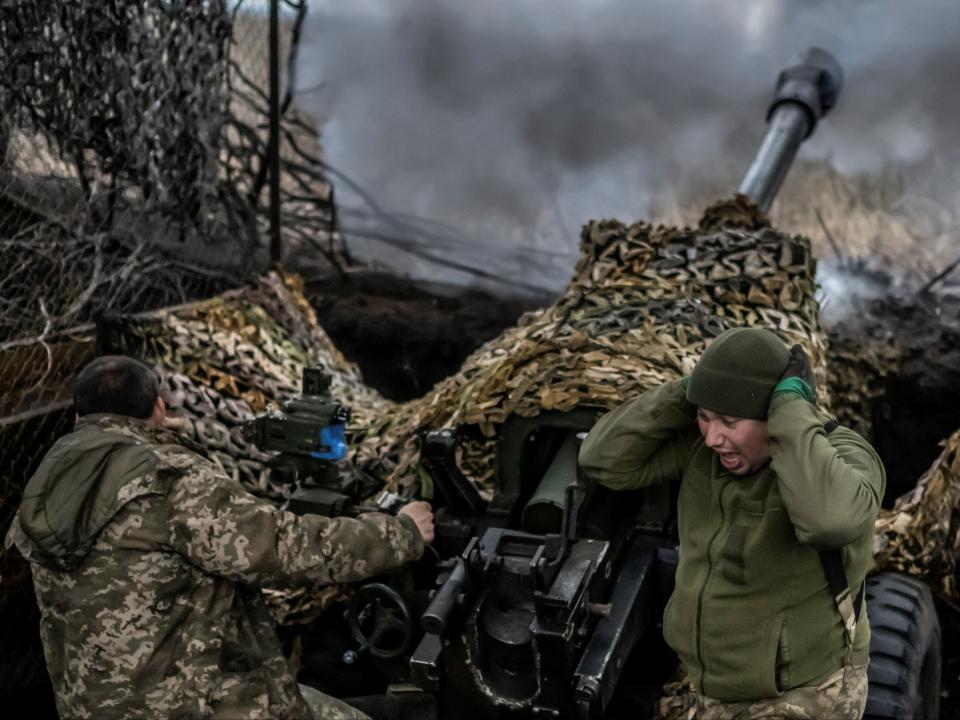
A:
[642,305]
[921,534]
[226,359]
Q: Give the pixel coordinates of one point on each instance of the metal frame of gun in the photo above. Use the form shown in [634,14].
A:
[574,636]
[437,449]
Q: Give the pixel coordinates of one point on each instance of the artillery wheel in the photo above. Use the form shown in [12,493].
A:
[905,659]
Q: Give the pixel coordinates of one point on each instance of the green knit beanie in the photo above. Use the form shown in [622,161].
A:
[737,373]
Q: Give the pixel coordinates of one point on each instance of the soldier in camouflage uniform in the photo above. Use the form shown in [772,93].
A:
[147,560]
[773,496]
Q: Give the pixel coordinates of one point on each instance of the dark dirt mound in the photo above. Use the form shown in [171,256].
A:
[408,335]
[918,404]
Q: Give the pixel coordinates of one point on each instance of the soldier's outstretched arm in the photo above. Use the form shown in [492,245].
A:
[646,440]
[226,531]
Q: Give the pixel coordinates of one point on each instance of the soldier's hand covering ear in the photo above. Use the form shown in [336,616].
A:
[422,514]
[797,377]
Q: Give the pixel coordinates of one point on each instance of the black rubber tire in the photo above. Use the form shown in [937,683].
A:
[905,659]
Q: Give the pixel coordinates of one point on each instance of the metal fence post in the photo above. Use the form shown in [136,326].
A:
[276,247]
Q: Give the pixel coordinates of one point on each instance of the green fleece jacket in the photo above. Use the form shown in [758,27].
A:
[751,615]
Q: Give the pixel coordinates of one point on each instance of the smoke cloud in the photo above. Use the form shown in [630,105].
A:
[489,132]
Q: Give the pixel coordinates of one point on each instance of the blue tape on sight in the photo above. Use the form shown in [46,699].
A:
[332,438]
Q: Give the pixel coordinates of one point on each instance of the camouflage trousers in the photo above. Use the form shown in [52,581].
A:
[842,696]
[324,707]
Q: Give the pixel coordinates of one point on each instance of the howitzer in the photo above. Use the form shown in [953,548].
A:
[545,610]
[550,592]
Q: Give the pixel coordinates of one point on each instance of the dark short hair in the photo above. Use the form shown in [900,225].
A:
[116,384]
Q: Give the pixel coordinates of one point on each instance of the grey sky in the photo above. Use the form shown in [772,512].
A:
[515,121]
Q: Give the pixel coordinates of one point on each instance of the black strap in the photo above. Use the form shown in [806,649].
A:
[832,561]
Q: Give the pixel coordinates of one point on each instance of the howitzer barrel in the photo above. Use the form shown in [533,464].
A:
[806,91]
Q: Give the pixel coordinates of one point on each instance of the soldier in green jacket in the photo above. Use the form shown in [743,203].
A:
[147,561]
[767,481]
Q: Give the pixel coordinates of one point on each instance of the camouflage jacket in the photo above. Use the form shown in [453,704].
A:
[146,561]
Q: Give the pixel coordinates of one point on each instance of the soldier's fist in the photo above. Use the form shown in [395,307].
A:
[422,514]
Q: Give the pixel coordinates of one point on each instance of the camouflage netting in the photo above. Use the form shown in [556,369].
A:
[226,359]
[921,534]
[857,373]
[100,77]
[643,303]
[638,312]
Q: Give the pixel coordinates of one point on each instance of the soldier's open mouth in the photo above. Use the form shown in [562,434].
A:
[729,460]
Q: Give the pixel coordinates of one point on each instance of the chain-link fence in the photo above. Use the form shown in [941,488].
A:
[134,156]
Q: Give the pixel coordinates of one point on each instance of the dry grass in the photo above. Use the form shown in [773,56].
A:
[899,219]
